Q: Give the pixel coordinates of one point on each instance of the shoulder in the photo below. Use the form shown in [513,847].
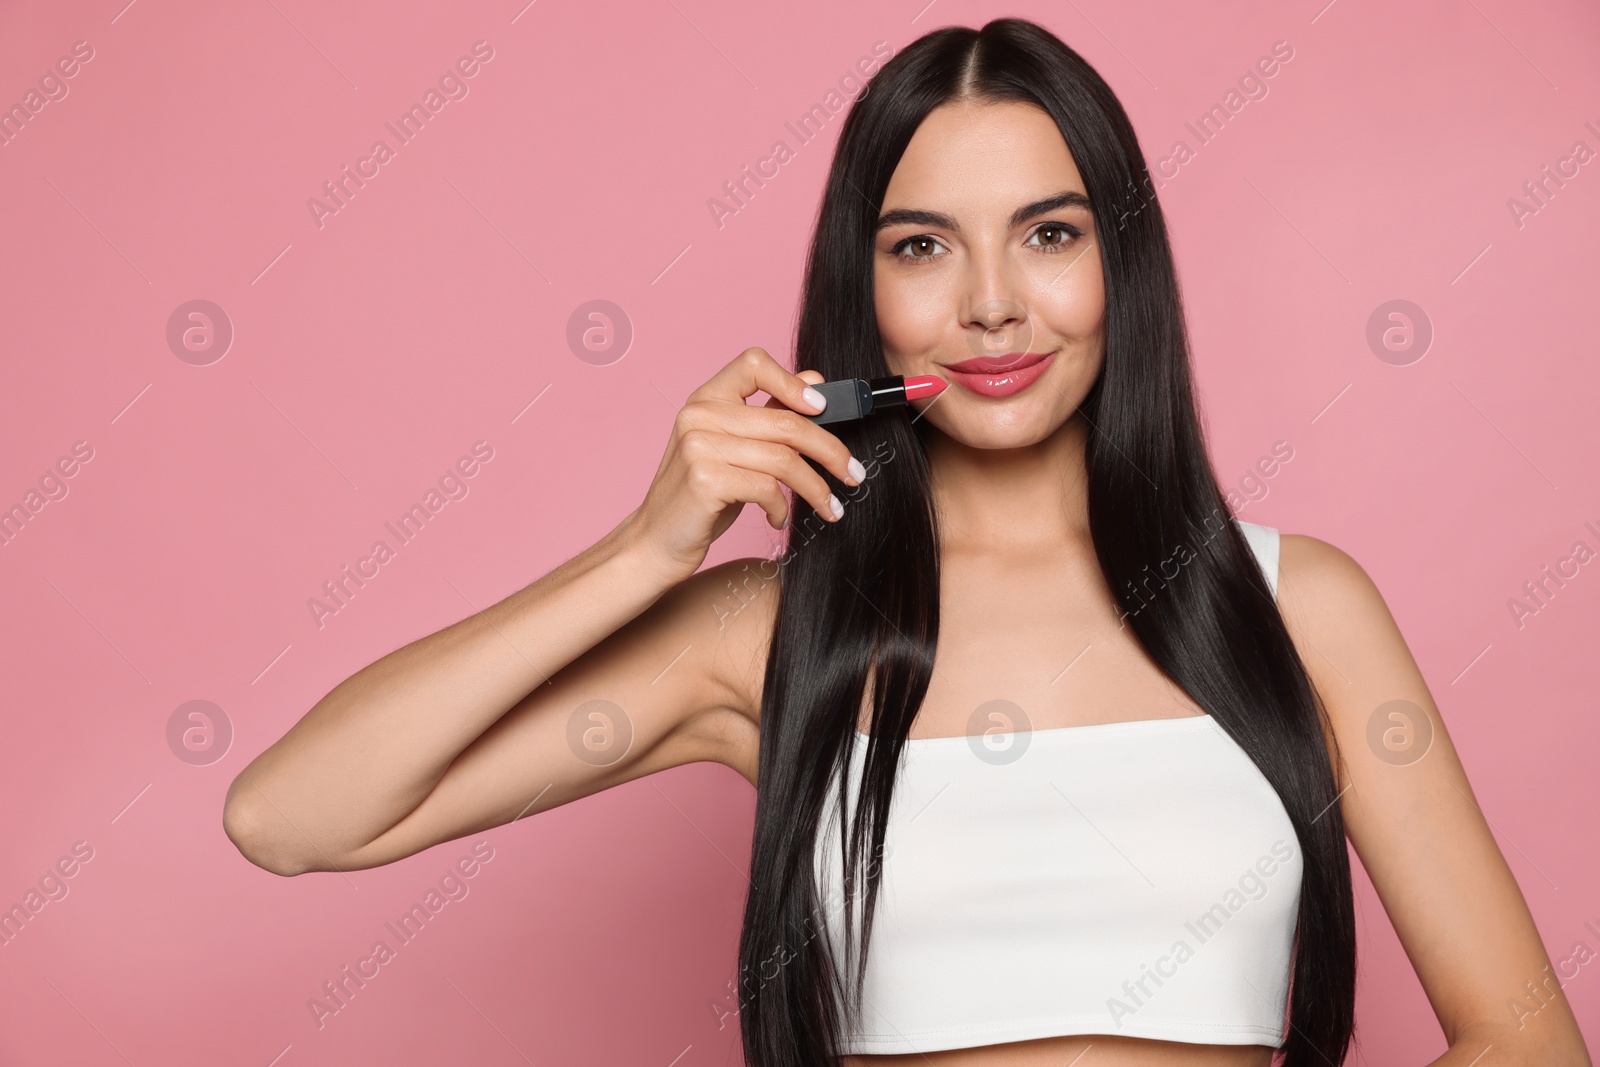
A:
[1305,565]
[1346,636]
[1323,588]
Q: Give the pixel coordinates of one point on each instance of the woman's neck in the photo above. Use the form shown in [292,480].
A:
[1033,497]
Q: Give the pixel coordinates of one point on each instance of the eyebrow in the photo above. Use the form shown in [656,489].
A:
[902,215]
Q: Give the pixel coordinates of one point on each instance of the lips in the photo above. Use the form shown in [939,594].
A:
[998,364]
[998,376]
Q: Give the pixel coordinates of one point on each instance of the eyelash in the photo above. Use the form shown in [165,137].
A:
[1072,232]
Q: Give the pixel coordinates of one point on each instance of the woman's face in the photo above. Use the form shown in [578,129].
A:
[986,260]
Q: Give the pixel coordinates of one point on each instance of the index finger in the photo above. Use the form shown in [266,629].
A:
[811,376]
[754,370]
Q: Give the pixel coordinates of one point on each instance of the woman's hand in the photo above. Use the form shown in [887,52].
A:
[725,453]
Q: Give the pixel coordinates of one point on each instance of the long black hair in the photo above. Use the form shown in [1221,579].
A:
[854,616]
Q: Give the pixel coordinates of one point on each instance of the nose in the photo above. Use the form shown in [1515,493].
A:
[997,313]
[996,326]
[996,322]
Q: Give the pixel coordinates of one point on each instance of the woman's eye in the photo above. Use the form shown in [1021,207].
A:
[1057,236]
[920,248]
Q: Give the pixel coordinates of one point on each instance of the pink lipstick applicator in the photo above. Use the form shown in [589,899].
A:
[853,398]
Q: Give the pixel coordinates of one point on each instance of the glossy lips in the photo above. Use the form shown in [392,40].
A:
[997,376]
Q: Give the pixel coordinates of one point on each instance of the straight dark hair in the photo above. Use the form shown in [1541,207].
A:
[852,610]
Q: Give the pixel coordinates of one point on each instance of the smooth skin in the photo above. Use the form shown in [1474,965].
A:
[466,729]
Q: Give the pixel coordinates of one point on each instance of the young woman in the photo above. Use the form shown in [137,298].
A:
[1130,733]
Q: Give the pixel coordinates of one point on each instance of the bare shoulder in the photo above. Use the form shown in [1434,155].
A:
[1317,577]
[1351,645]
[1330,602]
[1325,595]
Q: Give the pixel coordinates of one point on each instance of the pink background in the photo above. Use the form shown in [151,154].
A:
[428,313]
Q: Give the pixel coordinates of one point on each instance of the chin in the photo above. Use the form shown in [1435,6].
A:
[997,428]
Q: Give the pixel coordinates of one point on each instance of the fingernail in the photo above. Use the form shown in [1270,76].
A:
[814,398]
[835,506]
[857,471]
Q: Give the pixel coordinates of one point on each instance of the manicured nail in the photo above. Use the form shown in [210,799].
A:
[835,506]
[814,398]
[857,471]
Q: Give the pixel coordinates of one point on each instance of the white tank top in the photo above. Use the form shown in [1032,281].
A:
[1134,878]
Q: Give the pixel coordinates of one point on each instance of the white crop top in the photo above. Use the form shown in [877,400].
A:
[1135,878]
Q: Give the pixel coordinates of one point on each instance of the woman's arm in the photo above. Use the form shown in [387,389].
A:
[470,727]
[1413,820]
[619,663]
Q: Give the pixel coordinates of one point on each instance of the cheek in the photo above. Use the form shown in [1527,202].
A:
[1073,302]
[910,319]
